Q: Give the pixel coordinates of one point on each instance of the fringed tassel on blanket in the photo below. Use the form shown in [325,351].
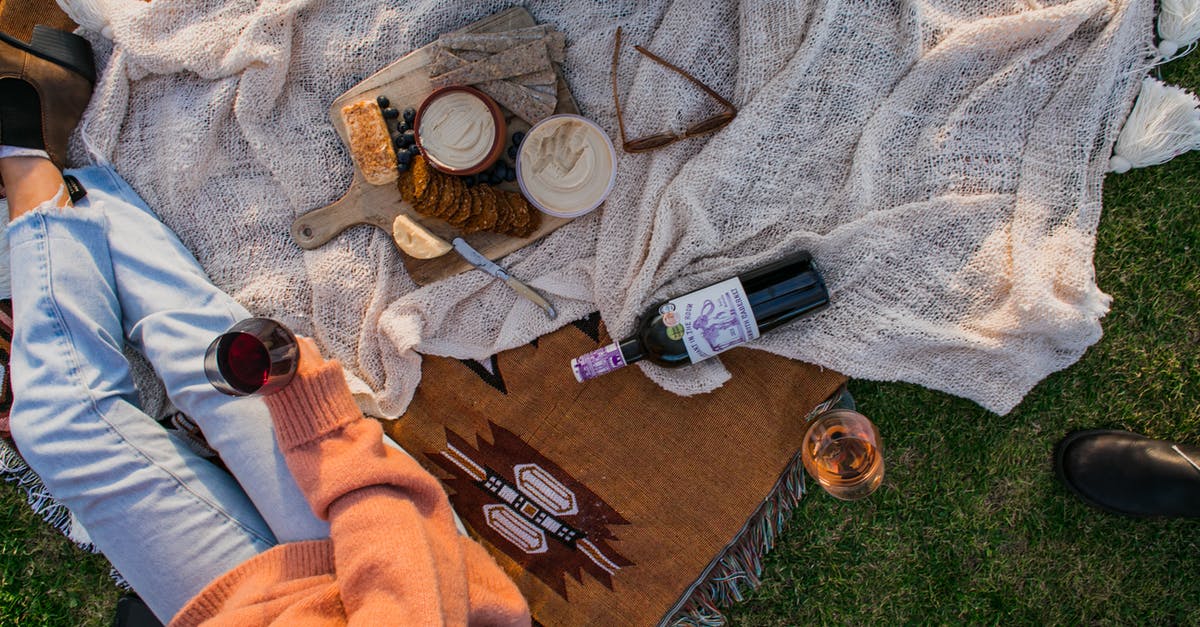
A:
[739,569]
[1164,123]
[14,470]
[1178,26]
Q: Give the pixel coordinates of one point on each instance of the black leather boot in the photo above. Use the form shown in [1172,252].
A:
[1130,474]
[44,87]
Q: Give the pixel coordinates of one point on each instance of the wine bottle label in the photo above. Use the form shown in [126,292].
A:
[598,362]
[713,319]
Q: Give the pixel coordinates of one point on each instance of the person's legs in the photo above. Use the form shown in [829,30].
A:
[171,313]
[168,520]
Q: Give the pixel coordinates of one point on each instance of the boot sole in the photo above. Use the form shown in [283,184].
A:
[66,49]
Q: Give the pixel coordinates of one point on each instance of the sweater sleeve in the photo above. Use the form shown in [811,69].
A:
[397,552]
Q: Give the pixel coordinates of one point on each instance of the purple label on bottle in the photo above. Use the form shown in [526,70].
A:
[598,362]
[715,319]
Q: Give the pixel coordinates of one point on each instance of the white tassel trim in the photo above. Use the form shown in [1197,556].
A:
[1178,26]
[1164,123]
[89,14]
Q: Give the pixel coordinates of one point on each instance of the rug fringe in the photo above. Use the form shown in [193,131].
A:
[14,469]
[738,571]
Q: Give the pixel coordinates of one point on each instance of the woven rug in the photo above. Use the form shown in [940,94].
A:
[614,502]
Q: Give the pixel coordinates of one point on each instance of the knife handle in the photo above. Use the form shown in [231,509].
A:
[532,296]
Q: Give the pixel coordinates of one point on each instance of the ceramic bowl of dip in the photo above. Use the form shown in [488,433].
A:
[566,165]
[460,130]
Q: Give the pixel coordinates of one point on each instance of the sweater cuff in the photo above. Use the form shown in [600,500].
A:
[312,405]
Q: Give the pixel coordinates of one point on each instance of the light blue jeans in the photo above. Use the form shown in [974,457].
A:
[86,281]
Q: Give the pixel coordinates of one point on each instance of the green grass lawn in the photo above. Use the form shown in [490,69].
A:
[970,525]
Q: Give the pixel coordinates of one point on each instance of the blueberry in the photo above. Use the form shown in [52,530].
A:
[404,157]
[402,166]
[512,151]
[390,113]
[414,149]
[517,137]
[406,139]
[398,142]
[471,180]
[510,175]
[401,127]
[494,177]
[410,114]
[500,169]
[382,101]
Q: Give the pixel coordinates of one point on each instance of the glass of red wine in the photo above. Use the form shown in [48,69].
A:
[255,356]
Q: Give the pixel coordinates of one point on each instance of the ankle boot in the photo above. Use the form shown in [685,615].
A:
[1130,474]
[44,87]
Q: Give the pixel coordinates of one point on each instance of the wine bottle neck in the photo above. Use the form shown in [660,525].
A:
[632,349]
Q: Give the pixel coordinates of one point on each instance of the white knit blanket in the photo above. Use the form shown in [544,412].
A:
[941,159]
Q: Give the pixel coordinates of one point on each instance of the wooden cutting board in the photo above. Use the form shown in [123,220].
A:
[406,84]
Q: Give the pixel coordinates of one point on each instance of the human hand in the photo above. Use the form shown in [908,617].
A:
[310,357]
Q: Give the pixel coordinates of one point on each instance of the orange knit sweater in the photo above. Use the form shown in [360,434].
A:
[394,555]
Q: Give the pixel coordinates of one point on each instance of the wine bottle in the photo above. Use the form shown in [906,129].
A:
[716,318]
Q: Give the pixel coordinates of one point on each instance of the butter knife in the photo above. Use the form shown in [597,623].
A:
[475,258]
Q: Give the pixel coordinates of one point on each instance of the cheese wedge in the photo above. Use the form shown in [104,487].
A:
[416,241]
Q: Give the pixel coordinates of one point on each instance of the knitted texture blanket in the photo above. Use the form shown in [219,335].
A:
[942,161]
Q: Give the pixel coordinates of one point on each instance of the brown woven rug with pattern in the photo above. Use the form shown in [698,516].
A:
[615,502]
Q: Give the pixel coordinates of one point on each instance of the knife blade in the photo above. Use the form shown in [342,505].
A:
[475,258]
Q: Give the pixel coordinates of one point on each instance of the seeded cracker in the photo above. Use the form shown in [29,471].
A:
[474,210]
[426,201]
[461,211]
[420,176]
[520,209]
[493,42]
[523,102]
[534,220]
[503,214]
[405,183]
[488,213]
[443,205]
[544,77]
[530,57]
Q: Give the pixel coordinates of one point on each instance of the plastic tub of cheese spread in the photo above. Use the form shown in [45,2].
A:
[460,130]
[566,165]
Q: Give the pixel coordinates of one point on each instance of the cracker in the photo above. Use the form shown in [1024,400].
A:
[520,207]
[460,213]
[493,42]
[527,104]
[475,214]
[370,145]
[503,213]
[489,212]
[523,59]
[448,197]
[405,183]
[542,77]
[420,176]
[426,201]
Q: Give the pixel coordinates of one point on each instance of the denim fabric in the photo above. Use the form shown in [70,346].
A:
[86,281]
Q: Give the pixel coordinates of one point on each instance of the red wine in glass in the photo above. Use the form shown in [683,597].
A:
[255,356]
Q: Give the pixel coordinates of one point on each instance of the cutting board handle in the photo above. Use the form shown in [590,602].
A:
[319,226]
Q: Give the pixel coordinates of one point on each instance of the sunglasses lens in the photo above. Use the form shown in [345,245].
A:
[649,143]
[711,124]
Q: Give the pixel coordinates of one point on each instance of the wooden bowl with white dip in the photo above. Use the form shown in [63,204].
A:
[460,130]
